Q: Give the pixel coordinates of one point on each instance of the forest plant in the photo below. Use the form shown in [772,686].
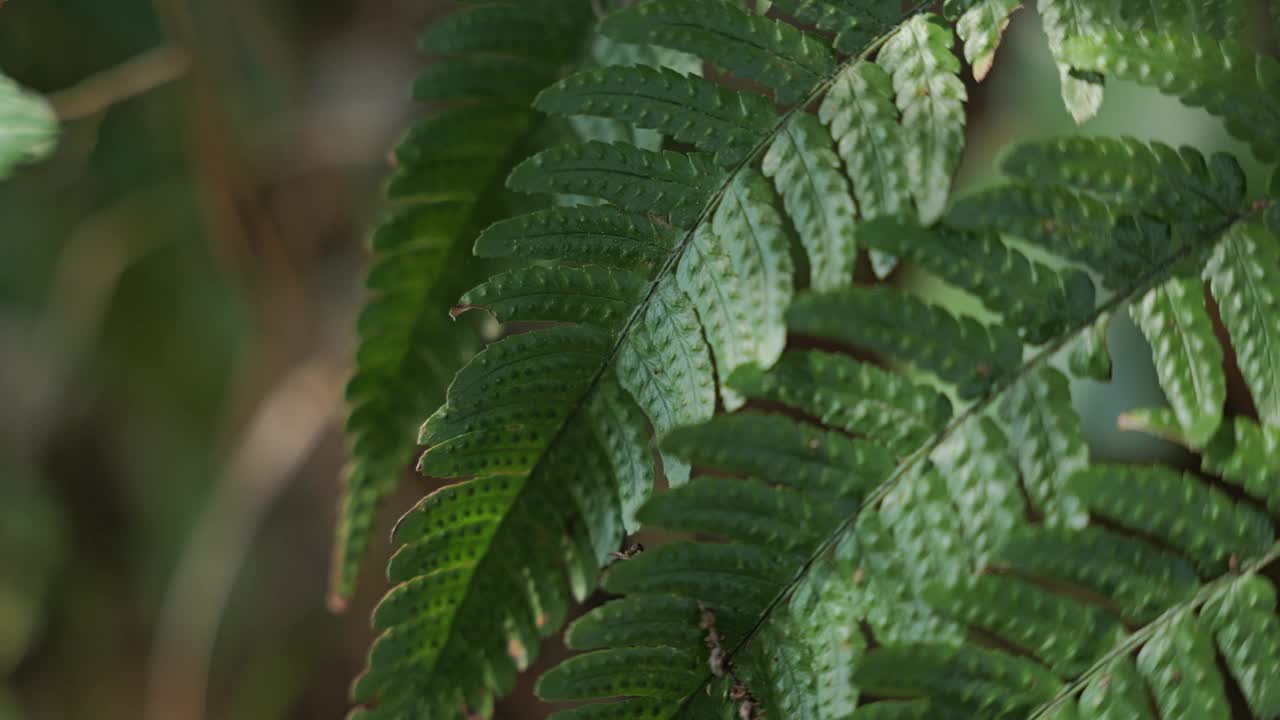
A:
[28,126]
[924,535]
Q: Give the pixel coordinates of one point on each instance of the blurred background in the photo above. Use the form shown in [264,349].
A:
[178,287]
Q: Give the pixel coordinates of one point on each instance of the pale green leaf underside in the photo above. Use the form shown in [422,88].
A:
[1187,355]
[28,127]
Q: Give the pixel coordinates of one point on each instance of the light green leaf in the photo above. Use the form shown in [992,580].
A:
[859,110]
[806,172]
[1221,76]
[926,78]
[1179,665]
[1063,20]
[1244,273]
[666,366]
[771,52]
[982,28]
[1187,355]
[686,107]
[738,272]
[28,127]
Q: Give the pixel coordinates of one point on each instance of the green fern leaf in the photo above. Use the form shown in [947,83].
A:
[1247,455]
[1220,76]
[1244,274]
[931,97]
[722,575]
[898,529]
[856,23]
[1048,444]
[666,366]
[959,351]
[1063,21]
[662,183]
[1247,633]
[603,235]
[852,396]
[784,452]
[738,270]
[647,672]
[1139,578]
[1089,356]
[28,127]
[1157,501]
[1178,662]
[1174,184]
[1223,18]
[1187,355]
[969,681]
[1069,225]
[770,52]
[1118,693]
[591,295]
[693,110]
[806,173]
[1037,300]
[864,121]
[860,112]
[982,27]
[643,620]
[745,511]
[1025,616]
[446,186]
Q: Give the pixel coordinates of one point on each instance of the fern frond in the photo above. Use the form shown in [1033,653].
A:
[1034,298]
[773,53]
[688,108]
[1063,21]
[1187,356]
[852,396]
[1088,356]
[895,524]
[601,235]
[446,187]
[995,522]
[960,351]
[1174,184]
[1244,273]
[592,295]
[1248,456]
[1223,18]
[806,173]
[931,98]
[864,121]
[538,29]
[667,368]
[714,302]
[856,23]
[1221,76]
[738,271]
[982,27]
[662,183]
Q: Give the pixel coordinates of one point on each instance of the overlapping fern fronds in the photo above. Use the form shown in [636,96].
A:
[873,530]
[494,57]
[991,571]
